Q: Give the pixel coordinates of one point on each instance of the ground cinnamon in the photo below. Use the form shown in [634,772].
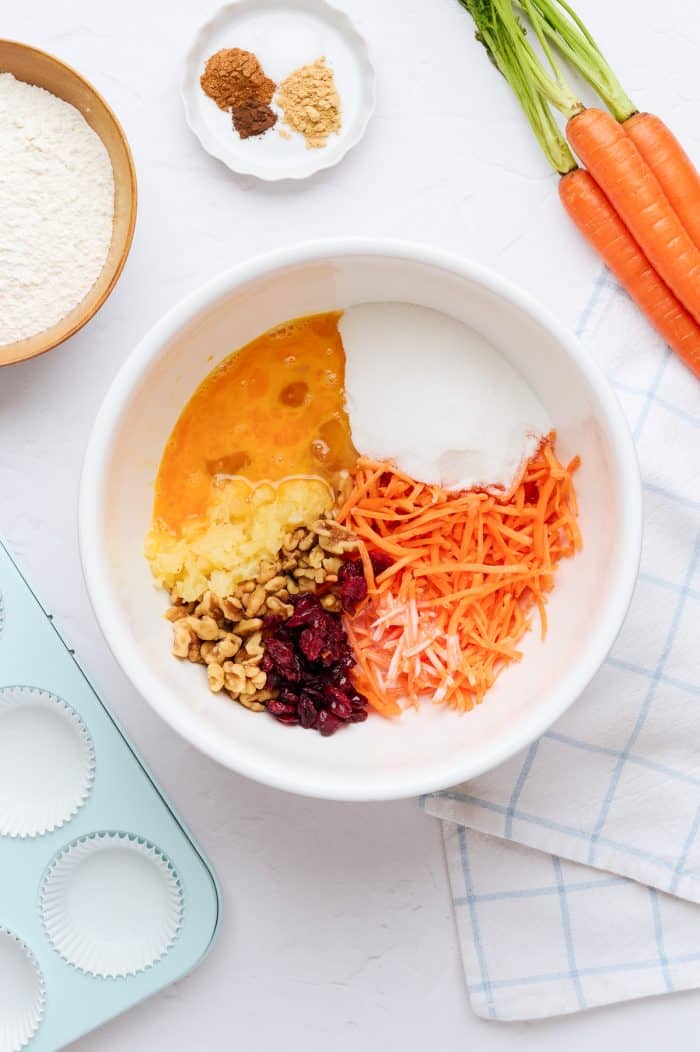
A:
[235,80]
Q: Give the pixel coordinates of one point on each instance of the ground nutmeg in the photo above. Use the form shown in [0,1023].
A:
[236,81]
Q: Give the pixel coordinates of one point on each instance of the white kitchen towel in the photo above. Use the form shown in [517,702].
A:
[614,786]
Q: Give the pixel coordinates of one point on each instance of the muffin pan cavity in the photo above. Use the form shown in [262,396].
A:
[21,993]
[105,898]
[47,762]
[111,904]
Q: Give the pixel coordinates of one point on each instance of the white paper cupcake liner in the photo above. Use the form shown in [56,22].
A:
[22,993]
[47,762]
[111,904]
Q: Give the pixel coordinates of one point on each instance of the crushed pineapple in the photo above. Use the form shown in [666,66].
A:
[246,522]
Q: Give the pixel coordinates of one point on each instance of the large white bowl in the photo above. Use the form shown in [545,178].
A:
[425,750]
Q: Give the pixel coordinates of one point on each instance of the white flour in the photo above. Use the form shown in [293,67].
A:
[432,395]
[56,208]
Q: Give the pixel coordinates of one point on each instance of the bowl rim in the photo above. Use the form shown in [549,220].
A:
[34,346]
[234,755]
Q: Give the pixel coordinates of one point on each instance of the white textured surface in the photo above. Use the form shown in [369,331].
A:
[337,925]
[56,208]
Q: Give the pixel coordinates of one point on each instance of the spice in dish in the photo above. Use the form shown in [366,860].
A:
[253,118]
[56,209]
[310,102]
[312,580]
[235,80]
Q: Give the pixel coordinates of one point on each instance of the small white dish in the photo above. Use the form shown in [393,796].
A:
[284,36]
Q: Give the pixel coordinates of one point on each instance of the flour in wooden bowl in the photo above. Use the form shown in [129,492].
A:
[56,208]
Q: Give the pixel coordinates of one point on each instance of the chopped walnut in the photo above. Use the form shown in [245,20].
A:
[333,538]
[277,606]
[249,625]
[267,571]
[232,608]
[182,638]
[306,542]
[205,628]
[215,675]
[194,654]
[255,601]
[224,633]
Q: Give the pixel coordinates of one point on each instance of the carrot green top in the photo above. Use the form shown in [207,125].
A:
[557,21]
[503,36]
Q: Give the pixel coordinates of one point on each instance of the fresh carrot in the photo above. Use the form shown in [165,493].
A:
[676,173]
[607,225]
[602,227]
[634,191]
[449,614]
[678,176]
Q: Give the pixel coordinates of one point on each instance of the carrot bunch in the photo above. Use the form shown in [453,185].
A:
[467,569]
[637,201]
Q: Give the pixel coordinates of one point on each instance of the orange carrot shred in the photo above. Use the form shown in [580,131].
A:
[468,570]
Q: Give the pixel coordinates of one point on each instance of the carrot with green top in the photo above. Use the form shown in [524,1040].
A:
[677,175]
[618,167]
[587,205]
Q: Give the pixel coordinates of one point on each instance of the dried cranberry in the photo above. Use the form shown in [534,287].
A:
[311,644]
[307,611]
[285,661]
[307,659]
[279,708]
[339,703]
[380,562]
[289,697]
[353,586]
[351,568]
[328,724]
[307,711]
[352,593]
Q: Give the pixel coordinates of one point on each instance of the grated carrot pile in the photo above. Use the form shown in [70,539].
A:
[467,570]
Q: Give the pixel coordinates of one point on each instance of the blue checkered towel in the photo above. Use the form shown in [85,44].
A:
[604,908]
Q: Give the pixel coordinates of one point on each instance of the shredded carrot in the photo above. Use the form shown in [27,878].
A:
[468,571]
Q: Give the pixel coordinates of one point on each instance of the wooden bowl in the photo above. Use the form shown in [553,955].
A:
[37,67]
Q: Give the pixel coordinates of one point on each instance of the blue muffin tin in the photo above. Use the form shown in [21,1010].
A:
[104,897]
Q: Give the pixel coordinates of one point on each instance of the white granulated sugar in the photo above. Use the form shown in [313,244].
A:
[56,208]
[430,394]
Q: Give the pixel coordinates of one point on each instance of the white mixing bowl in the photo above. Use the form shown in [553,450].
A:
[425,750]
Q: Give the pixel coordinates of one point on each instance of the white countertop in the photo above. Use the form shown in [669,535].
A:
[337,928]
